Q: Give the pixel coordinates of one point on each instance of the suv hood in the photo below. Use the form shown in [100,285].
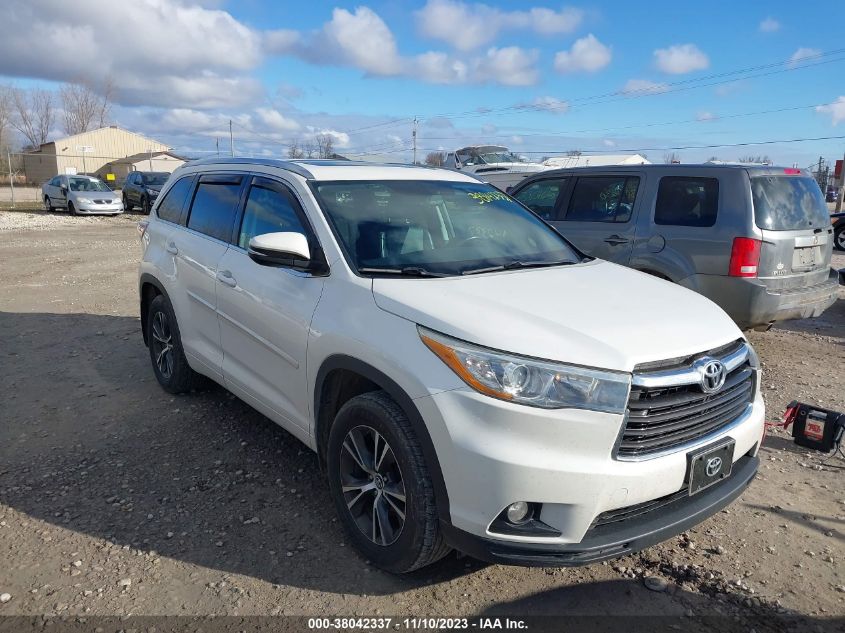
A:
[597,314]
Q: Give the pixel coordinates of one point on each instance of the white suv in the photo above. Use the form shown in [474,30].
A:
[466,376]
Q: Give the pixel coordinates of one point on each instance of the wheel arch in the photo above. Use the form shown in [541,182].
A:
[149,288]
[341,378]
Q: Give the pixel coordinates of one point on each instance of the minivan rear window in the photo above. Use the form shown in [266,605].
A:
[787,203]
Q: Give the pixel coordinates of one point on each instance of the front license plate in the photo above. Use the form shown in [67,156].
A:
[710,465]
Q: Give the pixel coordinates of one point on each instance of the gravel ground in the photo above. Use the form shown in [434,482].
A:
[117,498]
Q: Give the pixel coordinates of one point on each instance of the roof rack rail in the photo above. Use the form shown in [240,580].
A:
[266,162]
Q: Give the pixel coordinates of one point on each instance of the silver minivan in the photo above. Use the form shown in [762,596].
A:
[756,240]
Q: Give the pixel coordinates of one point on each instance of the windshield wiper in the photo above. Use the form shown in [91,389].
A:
[407,271]
[517,264]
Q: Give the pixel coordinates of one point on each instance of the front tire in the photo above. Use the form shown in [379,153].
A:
[381,486]
[166,353]
[839,238]
[48,206]
[126,205]
[71,209]
[145,205]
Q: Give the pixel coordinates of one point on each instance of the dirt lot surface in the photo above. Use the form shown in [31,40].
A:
[117,498]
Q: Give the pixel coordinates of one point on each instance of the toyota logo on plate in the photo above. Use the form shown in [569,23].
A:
[714,465]
[713,376]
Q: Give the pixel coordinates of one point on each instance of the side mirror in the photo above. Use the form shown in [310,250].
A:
[280,249]
[63,188]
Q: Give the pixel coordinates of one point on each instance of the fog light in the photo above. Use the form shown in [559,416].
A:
[518,512]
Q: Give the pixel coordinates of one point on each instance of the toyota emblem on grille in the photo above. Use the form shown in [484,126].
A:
[714,465]
[713,376]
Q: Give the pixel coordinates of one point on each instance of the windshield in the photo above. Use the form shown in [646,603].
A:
[486,158]
[87,184]
[437,227]
[155,178]
[787,203]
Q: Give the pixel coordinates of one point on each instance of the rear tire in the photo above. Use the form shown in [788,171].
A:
[166,353]
[381,486]
[839,238]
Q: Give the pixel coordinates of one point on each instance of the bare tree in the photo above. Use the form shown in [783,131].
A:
[325,145]
[5,114]
[435,159]
[294,151]
[32,114]
[84,108]
[759,159]
[309,149]
[671,157]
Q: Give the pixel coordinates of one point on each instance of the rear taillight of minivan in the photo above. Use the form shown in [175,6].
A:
[745,257]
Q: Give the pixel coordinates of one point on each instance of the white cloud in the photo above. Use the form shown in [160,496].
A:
[587,54]
[835,110]
[341,139]
[467,26]
[608,143]
[546,104]
[680,59]
[769,25]
[636,87]
[802,56]
[705,116]
[275,120]
[206,49]
[511,66]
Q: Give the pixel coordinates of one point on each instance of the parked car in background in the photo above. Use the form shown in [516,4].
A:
[80,195]
[756,240]
[467,378]
[838,222]
[141,188]
[832,193]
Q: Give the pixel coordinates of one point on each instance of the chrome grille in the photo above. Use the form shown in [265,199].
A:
[668,408]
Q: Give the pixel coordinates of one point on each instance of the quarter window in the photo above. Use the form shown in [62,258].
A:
[214,205]
[684,201]
[603,199]
[541,196]
[268,211]
[170,207]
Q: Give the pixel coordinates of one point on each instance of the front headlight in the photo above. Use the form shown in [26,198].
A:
[529,381]
[84,200]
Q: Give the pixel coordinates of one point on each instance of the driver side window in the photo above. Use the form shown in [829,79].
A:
[268,211]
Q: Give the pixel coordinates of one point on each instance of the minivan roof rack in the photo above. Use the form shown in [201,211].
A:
[266,162]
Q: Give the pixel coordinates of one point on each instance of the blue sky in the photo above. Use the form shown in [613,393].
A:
[529,75]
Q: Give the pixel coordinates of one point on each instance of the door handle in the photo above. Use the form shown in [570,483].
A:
[225,277]
[615,240]
[171,248]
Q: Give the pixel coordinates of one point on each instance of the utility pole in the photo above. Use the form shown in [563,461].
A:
[414,137]
[231,140]
[841,186]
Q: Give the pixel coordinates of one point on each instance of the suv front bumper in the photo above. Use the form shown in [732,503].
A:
[615,539]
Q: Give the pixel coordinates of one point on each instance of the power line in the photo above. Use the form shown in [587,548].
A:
[680,147]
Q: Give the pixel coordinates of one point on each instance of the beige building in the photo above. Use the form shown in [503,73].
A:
[87,153]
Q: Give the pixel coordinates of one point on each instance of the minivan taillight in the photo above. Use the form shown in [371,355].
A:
[745,256]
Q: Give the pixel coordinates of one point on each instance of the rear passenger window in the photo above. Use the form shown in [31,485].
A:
[268,211]
[213,208]
[541,196]
[170,208]
[603,199]
[684,201]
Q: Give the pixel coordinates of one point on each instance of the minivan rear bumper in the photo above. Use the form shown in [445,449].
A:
[751,303]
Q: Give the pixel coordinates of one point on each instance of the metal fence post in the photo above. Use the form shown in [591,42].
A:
[11,178]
